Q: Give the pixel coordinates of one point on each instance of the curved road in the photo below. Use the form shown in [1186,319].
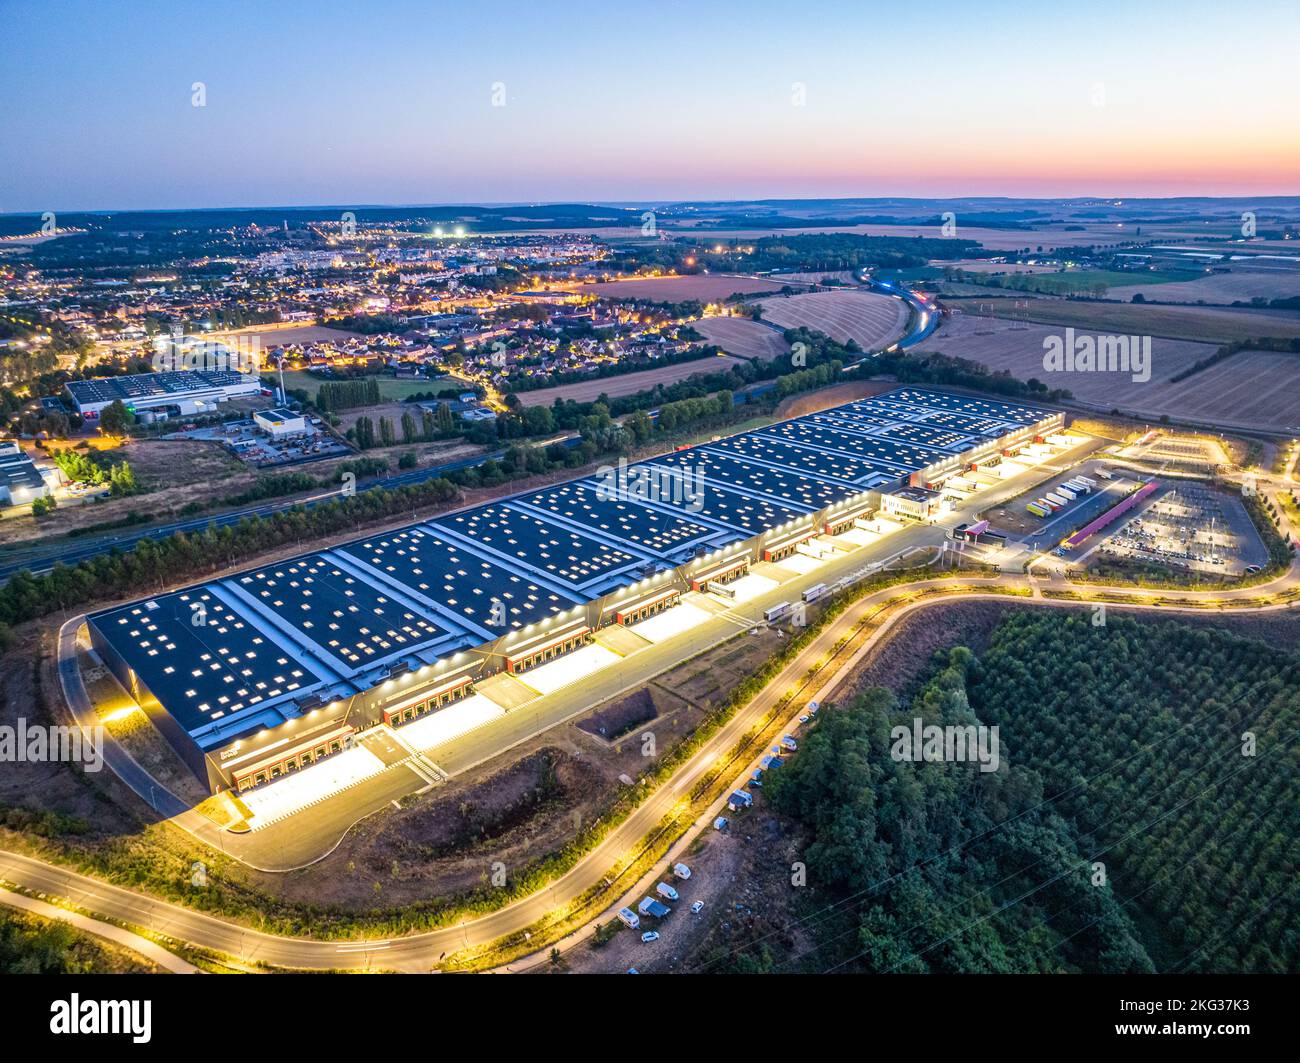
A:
[422,952]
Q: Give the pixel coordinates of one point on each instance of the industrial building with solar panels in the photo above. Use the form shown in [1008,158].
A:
[259,674]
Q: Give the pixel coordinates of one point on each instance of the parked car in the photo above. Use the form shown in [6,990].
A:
[697,907]
[650,935]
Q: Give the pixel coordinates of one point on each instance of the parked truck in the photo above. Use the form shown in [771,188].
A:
[776,611]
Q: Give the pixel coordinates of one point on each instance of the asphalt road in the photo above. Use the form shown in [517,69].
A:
[314,832]
[42,557]
[422,952]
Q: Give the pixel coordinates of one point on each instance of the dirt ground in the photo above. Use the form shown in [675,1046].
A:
[628,383]
[93,806]
[279,336]
[706,287]
[874,321]
[742,337]
[835,395]
[173,473]
[1206,324]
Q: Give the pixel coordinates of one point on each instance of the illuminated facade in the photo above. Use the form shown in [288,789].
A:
[259,674]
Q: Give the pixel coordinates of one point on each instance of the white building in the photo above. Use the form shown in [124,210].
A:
[21,482]
[279,423]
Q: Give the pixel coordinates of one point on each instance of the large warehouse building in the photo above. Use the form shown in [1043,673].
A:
[183,393]
[259,674]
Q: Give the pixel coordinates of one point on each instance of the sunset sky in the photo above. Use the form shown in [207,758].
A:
[326,103]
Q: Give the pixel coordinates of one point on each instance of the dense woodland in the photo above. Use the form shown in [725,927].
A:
[1122,745]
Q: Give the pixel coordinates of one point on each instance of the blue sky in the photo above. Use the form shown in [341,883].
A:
[392,102]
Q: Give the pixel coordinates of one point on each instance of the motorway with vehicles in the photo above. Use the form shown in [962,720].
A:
[43,556]
[40,557]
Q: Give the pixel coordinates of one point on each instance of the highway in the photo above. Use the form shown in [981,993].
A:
[43,556]
[423,952]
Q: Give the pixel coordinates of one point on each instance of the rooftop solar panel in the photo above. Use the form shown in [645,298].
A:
[756,446]
[732,471]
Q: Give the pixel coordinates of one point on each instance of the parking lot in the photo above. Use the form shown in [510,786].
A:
[1191,527]
[246,441]
[1178,450]
[1039,533]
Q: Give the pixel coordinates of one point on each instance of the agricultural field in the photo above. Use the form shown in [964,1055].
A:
[1239,285]
[171,474]
[706,287]
[390,388]
[1200,323]
[1017,346]
[1089,281]
[844,276]
[1098,234]
[627,383]
[874,321]
[983,265]
[742,337]
[281,335]
[1261,389]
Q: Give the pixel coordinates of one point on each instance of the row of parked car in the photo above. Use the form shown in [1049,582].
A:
[655,907]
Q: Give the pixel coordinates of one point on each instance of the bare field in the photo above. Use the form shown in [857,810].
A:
[816,276]
[1240,284]
[1098,235]
[172,472]
[1253,389]
[707,287]
[980,265]
[1017,346]
[627,383]
[742,337]
[872,320]
[1260,390]
[835,395]
[1204,324]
